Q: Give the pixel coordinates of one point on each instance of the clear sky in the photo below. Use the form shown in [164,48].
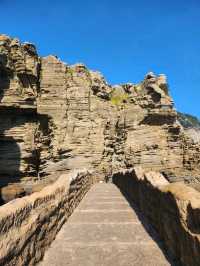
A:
[122,39]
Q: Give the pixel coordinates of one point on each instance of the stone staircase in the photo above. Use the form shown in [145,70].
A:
[107,230]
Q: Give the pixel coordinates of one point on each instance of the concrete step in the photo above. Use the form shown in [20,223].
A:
[103,217]
[105,231]
[106,255]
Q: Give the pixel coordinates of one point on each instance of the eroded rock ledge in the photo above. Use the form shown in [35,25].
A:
[55,117]
[29,225]
[173,210]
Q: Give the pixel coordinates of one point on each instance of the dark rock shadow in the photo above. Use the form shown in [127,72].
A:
[11,140]
[9,172]
[148,227]
[10,154]
[158,119]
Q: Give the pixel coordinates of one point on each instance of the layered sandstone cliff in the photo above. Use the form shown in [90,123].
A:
[56,117]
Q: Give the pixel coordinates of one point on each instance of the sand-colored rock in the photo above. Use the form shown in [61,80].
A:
[29,225]
[55,117]
[172,209]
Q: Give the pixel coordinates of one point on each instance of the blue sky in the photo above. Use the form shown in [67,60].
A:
[122,39]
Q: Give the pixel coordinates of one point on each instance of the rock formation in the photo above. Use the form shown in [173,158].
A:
[56,117]
[191,125]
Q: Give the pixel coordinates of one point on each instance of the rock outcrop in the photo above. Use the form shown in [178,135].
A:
[172,210]
[56,117]
[29,225]
[191,125]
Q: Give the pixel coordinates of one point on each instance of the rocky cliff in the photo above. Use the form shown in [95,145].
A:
[191,125]
[56,117]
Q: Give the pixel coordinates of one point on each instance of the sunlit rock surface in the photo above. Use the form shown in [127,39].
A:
[56,117]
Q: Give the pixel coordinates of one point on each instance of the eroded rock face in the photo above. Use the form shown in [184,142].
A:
[191,125]
[19,120]
[172,209]
[56,117]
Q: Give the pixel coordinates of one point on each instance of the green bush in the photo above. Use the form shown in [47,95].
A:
[118,98]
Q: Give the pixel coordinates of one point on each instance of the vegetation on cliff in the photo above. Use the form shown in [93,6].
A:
[188,121]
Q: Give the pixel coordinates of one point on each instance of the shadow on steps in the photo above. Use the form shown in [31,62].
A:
[149,229]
